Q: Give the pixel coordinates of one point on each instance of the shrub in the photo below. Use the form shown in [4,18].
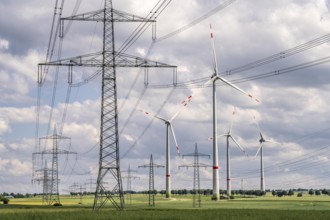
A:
[4,200]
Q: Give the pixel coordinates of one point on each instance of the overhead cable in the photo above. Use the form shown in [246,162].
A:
[196,21]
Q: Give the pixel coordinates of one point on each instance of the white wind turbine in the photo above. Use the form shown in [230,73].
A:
[169,126]
[229,136]
[213,80]
[262,140]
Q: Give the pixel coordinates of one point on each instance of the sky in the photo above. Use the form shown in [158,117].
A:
[293,111]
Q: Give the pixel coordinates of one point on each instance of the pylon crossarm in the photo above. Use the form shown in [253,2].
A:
[87,60]
[118,16]
[54,136]
[148,165]
[196,154]
[51,152]
[126,60]
[204,165]
[195,165]
[95,60]
[186,166]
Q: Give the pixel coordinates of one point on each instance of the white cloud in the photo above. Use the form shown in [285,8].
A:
[18,76]
[4,44]
[4,126]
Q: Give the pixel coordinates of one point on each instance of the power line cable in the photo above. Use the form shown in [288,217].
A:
[196,21]
[278,56]
[250,78]
[74,12]
[153,14]
[149,124]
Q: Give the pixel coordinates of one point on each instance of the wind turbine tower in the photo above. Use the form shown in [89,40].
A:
[262,140]
[169,126]
[214,78]
[230,136]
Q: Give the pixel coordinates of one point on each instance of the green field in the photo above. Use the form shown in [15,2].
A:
[180,207]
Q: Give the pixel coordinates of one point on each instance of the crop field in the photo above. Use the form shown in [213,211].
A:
[179,207]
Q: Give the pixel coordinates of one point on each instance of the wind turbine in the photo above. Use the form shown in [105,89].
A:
[228,136]
[213,80]
[262,140]
[169,126]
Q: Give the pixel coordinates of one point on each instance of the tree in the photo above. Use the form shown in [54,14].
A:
[285,193]
[273,192]
[4,200]
[317,192]
[207,192]
[290,193]
[311,192]
[325,192]
[279,193]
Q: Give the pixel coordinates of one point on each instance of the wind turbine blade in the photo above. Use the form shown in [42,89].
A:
[271,141]
[238,145]
[184,104]
[176,143]
[215,66]
[257,124]
[210,81]
[259,149]
[222,135]
[237,88]
[152,115]
[215,63]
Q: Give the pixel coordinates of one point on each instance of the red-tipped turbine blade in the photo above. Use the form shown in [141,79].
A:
[215,63]
[238,145]
[237,88]
[176,143]
[152,115]
[184,104]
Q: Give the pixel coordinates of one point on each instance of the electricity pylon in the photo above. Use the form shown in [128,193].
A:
[196,165]
[53,192]
[45,179]
[129,183]
[151,166]
[106,61]
[77,189]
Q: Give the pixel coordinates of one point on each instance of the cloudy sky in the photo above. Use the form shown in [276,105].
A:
[292,86]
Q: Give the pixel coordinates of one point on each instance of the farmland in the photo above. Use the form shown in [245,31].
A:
[180,207]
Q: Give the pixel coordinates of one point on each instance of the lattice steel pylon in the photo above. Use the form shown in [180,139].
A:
[151,192]
[46,180]
[196,165]
[53,196]
[107,61]
[129,183]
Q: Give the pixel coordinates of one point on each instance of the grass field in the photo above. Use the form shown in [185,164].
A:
[180,207]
